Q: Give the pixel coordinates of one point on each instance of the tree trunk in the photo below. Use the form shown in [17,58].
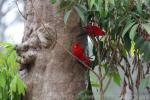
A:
[52,73]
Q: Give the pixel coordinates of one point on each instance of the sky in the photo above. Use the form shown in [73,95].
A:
[14,32]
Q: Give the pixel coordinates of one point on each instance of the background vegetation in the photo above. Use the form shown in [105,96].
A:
[125,48]
[11,85]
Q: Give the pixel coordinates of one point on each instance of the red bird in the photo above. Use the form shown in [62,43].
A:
[94,31]
[78,52]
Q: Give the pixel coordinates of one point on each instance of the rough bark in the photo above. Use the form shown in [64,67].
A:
[52,73]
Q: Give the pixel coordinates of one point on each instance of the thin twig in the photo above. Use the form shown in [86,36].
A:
[16,2]
[107,85]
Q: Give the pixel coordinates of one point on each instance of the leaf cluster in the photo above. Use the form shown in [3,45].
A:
[11,85]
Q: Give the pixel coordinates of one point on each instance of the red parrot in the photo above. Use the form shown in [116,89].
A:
[78,52]
[94,31]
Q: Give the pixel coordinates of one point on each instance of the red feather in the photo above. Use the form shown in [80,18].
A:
[78,52]
[94,31]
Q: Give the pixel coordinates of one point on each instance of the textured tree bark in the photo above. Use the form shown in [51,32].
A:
[52,73]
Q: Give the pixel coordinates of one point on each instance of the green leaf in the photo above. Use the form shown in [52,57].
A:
[127,27]
[21,86]
[132,51]
[106,7]
[139,42]
[67,14]
[143,84]
[92,2]
[94,84]
[117,78]
[13,84]
[146,48]
[98,5]
[133,31]
[2,80]
[11,60]
[80,13]
[147,2]
[83,7]
[147,28]
[124,52]
[111,2]
[146,57]
[139,6]
[53,1]
[83,95]
[127,42]
[6,45]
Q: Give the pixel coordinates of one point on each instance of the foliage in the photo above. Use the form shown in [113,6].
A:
[84,95]
[11,85]
[126,43]
[144,83]
[124,18]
